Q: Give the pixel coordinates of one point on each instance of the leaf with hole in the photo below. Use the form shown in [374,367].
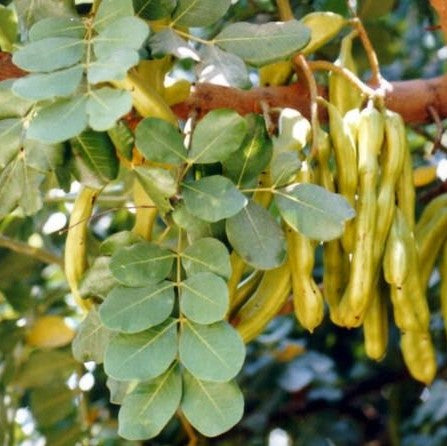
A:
[159,184]
[160,141]
[262,44]
[211,352]
[62,120]
[212,408]
[143,355]
[149,407]
[49,85]
[257,237]
[49,54]
[204,298]
[106,105]
[207,255]
[131,310]
[127,32]
[314,211]
[141,264]
[216,136]
[213,198]
[194,13]
[91,340]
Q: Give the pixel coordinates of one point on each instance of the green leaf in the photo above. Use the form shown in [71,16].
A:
[52,403]
[131,310]
[257,237]
[216,136]
[284,167]
[262,44]
[97,153]
[222,68]
[195,228]
[119,389]
[106,105]
[49,54]
[212,408]
[207,255]
[66,436]
[314,211]
[118,35]
[98,281]
[32,11]
[213,198]
[45,367]
[8,28]
[254,154]
[323,26]
[211,352]
[10,189]
[194,13]
[11,139]
[160,141]
[113,67]
[62,120]
[204,298]
[147,410]
[57,27]
[111,10]
[10,105]
[118,240]
[91,340]
[123,139]
[168,41]
[159,184]
[43,157]
[30,179]
[143,355]
[49,85]
[153,9]
[141,264]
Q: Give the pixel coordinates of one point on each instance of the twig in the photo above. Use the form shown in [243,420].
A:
[284,10]
[193,439]
[439,128]
[302,63]
[30,251]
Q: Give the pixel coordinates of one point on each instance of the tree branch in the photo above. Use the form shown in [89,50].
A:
[25,249]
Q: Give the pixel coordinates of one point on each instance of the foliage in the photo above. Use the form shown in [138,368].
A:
[187,219]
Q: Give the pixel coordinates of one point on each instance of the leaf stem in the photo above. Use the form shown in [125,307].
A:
[192,37]
[30,251]
[284,10]
[192,436]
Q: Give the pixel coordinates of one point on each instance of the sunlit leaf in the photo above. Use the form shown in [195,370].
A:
[143,355]
[130,310]
[207,255]
[257,237]
[49,331]
[111,10]
[8,28]
[314,211]
[57,27]
[212,408]
[213,198]
[211,352]
[204,298]
[149,407]
[49,85]
[262,44]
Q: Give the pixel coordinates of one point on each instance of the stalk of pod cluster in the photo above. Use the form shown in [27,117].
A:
[383,260]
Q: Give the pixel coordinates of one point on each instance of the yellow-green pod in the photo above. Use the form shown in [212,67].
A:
[430,211]
[375,326]
[419,355]
[245,289]
[443,291]
[145,212]
[270,296]
[238,266]
[405,191]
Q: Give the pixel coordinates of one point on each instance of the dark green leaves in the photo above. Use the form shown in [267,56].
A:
[160,141]
[199,12]
[212,408]
[262,44]
[216,136]
[314,211]
[257,237]
[131,310]
[213,198]
[49,54]
[143,355]
[141,264]
[211,352]
[149,407]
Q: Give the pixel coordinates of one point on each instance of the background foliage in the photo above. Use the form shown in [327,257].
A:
[318,389]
